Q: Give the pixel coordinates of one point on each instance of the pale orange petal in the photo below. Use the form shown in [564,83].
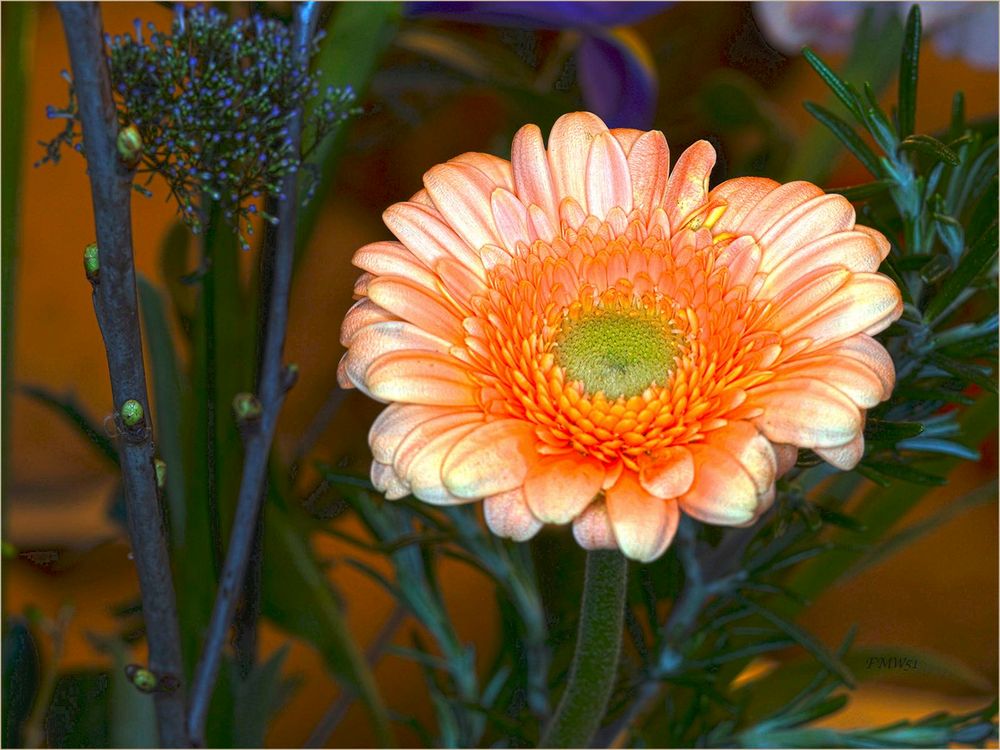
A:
[669,473]
[569,149]
[786,456]
[687,187]
[740,195]
[846,456]
[462,194]
[742,258]
[388,482]
[849,376]
[423,433]
[643,525]
[394,259]
[511,217]
[494,458]
[722,492]
[609,184]
[754,452]
[381,338]
[496,169]
[507,514]
[592,528]
[649,164]
[533,181]
[806,413]
[874,356]
[868,303]
[558,488]
[417,305]
[363,313]
[421,378]
[397,421]
[853,250]
[627,137]
[424,471]
[878,238]
[774,205]
[797,303]
[426,234]
[816,218]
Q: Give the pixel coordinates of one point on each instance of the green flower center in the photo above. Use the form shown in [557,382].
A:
[618,351]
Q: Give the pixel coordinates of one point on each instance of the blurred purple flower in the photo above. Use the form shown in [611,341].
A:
[614,68]
[956,29]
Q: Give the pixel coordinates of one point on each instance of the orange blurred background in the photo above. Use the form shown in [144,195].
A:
[939,594]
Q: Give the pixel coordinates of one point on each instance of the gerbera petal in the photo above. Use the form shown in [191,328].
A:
[816,218]
[687,187]
[569,148]
[775,204]
[421,378]
[868,303]
[386,481]
[424,472]
[873,355]
[649,165]
[786,456]
[845,456]
[754,452]
[609,184]
[742,258]
[643,525]
[558,488]
[722,492]
[878,238]
[423,231]
[511,217]
[423,433]
[592,528]
[855,251]
[533,181]
[417,305]
[849,376]
[381,338]
[740,195]
[363,313]
[627,137]
[796,302]
[462,193]
[507,514]
[397,421]
[393,259]
[496,169]
[668,474]
[494,458]
[805,412]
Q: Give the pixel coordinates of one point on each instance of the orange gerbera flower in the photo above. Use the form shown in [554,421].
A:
[580,335]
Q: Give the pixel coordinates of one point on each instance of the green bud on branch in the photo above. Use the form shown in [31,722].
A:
[91,261]
[160,468]
[130,145]
[131,413]
[246,407]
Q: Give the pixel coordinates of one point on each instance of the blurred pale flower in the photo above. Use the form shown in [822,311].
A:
[614,69]
[956,29]
[580,335]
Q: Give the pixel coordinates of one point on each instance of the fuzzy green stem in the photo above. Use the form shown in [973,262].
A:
[598,646]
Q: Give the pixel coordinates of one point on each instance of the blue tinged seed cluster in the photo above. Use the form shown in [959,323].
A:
[213,101]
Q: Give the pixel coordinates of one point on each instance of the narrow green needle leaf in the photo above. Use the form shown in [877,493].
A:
[908,73]
[863,192]
[846,134]
[929,146]
[979,257]
[837,86]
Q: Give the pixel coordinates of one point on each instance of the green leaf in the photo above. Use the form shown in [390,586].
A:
[356,38]
[837,86]
[879,431]
[132,713]
[856,193]
[979,257]
[845,133]
[297,597]
[79,711]
[967,372]
[258,697]
[908,73]
[931,147]
[67,408]
[905,471]
[169,406]
[20,680]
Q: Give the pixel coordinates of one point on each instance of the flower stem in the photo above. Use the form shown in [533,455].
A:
[598,646]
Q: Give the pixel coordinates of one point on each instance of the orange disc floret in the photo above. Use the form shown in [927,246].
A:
[581,335]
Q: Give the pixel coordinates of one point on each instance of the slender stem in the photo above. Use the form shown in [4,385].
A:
[271,394]
[598,646]
[116,307]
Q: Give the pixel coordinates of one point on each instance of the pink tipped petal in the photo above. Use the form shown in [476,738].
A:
[643,525]
[849,376]
[592,528]
[458,283]
[363,313]
[687,187]
[754,452]
[571,213]
[418,306]
[816,218]
[627,137]
[397,421]
[496,169]
[388,482]
[844,457]
[723,492]
[649,164]
[853,250]
[776,204]
[806,413]
[424,471]
[508,515]
[381,338]
[874,356]
[557,489]
[868,303]
[878,238]
[462,194]
[533,181]
[669,474]
[540,224]
[609,184]
[426,234]
[421,378]
[494,458]
[493,256]
[740,195]
[393,259]
[793,308]
[569,148]
[742,258]
[511,217]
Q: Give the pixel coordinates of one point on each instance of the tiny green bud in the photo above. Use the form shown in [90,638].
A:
[131,413]
[140,677]
[130,145]
[246,407]
[91,261]
[160,467]
[290,375]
